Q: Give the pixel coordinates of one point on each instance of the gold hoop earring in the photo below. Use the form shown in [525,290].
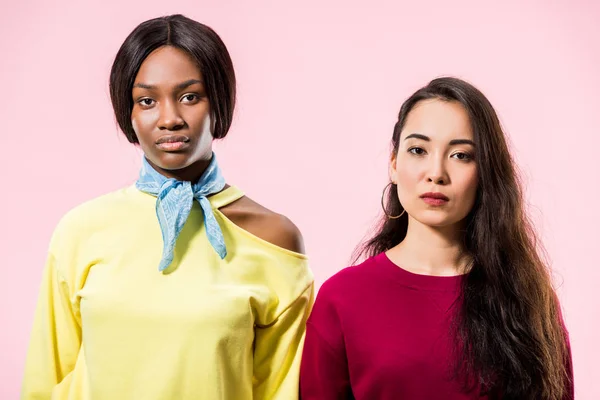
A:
[383,206]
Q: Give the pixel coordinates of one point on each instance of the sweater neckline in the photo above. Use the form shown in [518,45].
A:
[418,281]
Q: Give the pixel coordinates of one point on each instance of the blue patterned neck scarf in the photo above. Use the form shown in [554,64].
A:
[174,200]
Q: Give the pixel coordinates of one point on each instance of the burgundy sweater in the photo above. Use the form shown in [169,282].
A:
[379,332]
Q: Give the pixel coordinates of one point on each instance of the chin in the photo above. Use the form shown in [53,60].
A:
[437,219]
[172,161]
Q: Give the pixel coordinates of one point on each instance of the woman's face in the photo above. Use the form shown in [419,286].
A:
[435,167]
[171,113]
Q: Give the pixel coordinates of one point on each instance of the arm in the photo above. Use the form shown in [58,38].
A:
[324,373]
[277,352]
[55,338]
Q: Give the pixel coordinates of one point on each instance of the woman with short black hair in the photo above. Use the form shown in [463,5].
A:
[177,287]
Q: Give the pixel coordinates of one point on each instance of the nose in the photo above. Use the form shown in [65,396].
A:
[170,118]
[437,173]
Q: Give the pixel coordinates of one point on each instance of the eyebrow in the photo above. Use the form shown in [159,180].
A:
[181,85]
[453,142]
[418,136]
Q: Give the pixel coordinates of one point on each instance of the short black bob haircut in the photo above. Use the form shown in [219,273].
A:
[200,42]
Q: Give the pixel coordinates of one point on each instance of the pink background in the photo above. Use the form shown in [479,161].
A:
[320,84]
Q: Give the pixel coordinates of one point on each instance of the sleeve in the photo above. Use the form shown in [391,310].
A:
[55,338]
[324,373]
[277,351]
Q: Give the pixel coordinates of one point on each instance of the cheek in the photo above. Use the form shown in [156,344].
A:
[206,136]
[207,125]
[143,126]
[197,117]
[143,123]
[468,186]
[134,124]
[407,175]
[407,179]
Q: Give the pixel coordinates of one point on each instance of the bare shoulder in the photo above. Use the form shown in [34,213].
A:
[268,225]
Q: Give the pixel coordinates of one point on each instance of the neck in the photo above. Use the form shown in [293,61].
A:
[431,250]
[191,173]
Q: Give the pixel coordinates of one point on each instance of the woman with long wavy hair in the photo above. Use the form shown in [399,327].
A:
[453,300]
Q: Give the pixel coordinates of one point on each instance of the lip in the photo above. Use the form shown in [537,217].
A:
[435,198]
[172,142]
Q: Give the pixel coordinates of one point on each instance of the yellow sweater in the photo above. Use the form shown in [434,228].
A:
[110,326]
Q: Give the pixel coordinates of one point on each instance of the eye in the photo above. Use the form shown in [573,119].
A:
[416,151]
[189,98]
[462,156]
[146,102]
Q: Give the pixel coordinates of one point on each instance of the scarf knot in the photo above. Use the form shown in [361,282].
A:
[174,200]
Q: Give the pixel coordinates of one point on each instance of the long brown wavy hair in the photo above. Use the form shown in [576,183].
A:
[510,339]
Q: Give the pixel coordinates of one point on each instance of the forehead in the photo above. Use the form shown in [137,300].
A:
[439,120]
[167,65]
